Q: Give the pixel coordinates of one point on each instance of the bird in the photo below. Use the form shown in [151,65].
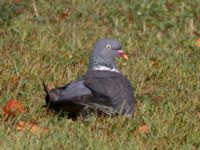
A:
[102,89]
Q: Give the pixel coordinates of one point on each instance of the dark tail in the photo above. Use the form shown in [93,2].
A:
[45,88]
[48,95]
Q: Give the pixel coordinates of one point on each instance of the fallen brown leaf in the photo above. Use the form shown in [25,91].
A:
[198,43]
[17,1]
[64,14]
[38,129]
[158,98]
[109,133]
[21,126]
[130,19]
[153,62]
[31,127]
[12,108]
[15,79]
[143,129]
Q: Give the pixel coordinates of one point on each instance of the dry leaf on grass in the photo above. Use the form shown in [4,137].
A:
[63,15]
[14,79]
[198,43]
[130,19]
[38,129]
[31,127]
[153,62]
[143,129]
[109,133]
[12,108]
[17,1]
[158,98]
[21,125]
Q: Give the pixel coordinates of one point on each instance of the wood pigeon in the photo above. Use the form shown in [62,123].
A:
[102,89]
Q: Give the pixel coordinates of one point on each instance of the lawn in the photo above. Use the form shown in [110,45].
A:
[51,41]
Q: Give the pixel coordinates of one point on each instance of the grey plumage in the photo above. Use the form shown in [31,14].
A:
[106,90]
[104,56]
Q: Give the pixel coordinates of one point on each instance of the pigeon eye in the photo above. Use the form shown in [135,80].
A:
[108,46]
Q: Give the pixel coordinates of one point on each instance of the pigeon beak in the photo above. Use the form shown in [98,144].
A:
[121,53]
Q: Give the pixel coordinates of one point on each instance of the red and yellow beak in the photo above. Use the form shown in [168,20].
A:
[122,54]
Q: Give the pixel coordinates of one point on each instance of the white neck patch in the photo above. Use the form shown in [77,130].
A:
[104,68]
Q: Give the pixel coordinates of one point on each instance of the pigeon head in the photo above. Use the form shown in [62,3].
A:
[104,53]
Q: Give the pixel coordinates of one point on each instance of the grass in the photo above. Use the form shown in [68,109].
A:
[53,41]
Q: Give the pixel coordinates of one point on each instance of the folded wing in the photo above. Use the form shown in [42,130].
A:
[104,91]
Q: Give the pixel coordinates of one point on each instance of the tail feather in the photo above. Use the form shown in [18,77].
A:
[45,88]
[48,95]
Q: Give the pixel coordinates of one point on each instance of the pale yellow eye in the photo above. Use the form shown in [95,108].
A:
[108,46]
